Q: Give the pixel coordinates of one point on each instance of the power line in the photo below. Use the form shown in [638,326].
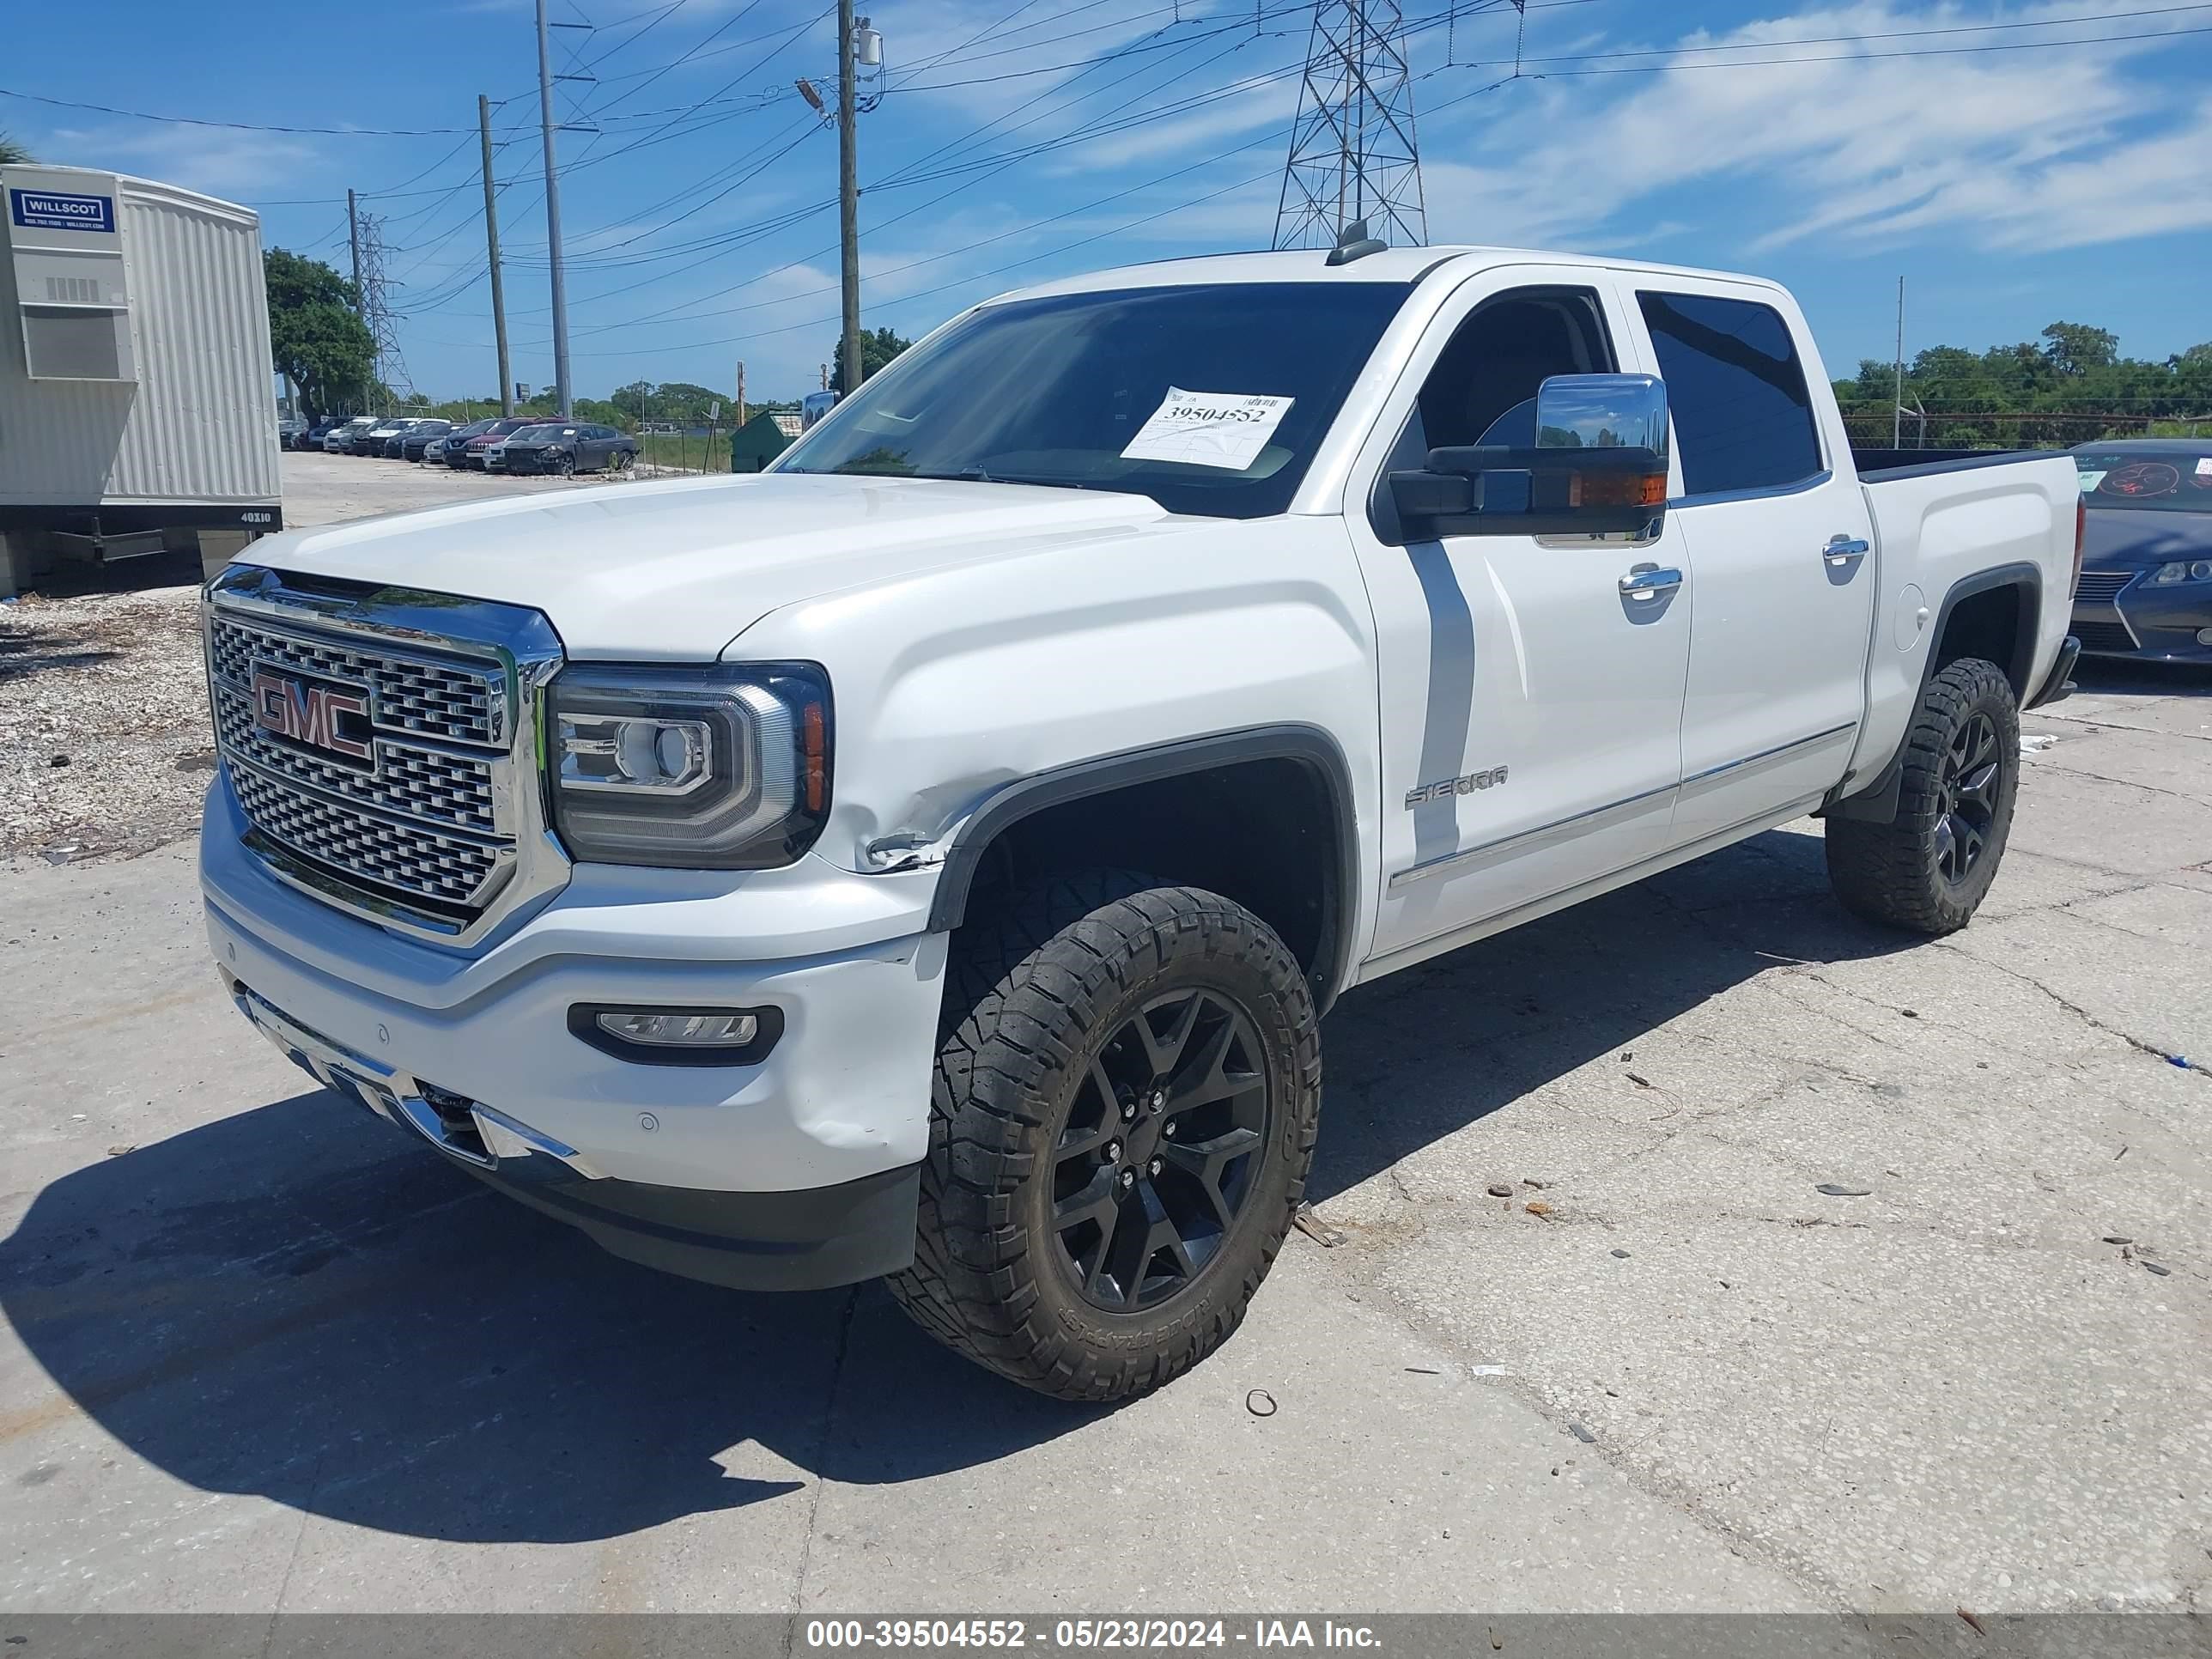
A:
[238,126]
[1858,57]
[1905,34]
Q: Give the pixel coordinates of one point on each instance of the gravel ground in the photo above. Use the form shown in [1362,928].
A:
[104,729]
[103,723]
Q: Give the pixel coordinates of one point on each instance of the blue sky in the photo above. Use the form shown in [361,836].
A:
[1834,147]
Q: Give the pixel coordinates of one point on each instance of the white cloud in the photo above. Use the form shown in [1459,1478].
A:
[219,163]
[2006,150]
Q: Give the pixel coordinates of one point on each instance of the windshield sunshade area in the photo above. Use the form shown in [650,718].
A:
[1209,398]
[2171,481]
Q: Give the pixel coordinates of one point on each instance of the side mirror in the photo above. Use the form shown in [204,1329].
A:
[1421,496]
[1599,465]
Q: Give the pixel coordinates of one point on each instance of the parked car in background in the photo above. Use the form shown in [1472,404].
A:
[566,449]
[383,435]
[494,453]
[2145,586]
[341,440]
[418,438]
[439,452]
[473,452]
[313,436]
[289,431]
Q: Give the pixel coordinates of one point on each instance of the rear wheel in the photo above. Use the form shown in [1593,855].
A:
[1122,1118]
[1928,868]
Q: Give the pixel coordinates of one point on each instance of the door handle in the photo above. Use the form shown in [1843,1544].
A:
[1845,550]
[1649,584]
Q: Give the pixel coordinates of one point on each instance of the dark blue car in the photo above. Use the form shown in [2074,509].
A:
[2146,587]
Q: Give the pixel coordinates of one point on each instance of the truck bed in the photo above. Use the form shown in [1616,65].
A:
[1877,464]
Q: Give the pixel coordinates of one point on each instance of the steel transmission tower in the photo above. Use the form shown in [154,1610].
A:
[1352,154]
[376,305]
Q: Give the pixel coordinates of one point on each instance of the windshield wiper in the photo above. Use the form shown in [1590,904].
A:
[977,475]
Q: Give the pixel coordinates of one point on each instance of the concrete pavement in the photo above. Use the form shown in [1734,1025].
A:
[263,1353]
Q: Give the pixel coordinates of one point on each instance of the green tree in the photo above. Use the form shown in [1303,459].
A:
[2070,386]
[877,350]
[314,335]
[2076,348]
[639,401]
[682,402]
[11,153]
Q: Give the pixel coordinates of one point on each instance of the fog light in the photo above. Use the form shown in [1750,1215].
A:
[686,1030]
[2204,636]
[678,1036]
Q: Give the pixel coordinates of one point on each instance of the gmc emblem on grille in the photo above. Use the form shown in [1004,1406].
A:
[310,713]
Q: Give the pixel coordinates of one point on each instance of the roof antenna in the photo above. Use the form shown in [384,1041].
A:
[1353,243]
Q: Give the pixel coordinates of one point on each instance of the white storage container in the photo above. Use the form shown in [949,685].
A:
[137,402]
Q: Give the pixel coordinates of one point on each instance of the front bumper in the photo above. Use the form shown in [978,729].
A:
[2150,624]
[807,1240]
[797,1170]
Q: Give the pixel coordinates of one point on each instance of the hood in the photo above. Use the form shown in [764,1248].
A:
[2136,539]
[676,571]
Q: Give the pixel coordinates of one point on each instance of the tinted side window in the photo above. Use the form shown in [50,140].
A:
[1742,418]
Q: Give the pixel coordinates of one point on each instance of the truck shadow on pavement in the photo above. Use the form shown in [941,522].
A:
[296,1303]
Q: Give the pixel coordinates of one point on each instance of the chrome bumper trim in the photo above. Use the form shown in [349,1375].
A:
[398,1098]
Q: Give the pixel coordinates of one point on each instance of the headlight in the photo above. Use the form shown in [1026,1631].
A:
[2194,570]
[723,768]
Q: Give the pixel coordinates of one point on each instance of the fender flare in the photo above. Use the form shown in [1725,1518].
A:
[1876,801]
[1307,745]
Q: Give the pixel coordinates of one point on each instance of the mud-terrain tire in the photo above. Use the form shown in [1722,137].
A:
[1928,868]
[1121,1120]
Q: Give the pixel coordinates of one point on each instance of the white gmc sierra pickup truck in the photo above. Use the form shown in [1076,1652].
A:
[932,857]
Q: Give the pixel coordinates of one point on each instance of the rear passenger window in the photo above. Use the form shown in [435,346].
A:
[1742,418]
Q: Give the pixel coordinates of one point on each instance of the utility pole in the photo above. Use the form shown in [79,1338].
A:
[1896,401]
[353,237]
[491,242]
[553,219]
[848,199]
[825,377]
[741,394]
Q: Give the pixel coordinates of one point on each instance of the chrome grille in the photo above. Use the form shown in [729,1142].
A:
[408,692]
[2101,586]
[454,791]
[441,832]
[443,869]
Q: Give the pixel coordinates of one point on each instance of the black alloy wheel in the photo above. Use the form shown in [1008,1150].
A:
[1973,770]
[1927,867]
[1156,1158]
[1123,1116]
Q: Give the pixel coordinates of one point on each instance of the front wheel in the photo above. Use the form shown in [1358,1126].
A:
[1121,1124]
[1927,869]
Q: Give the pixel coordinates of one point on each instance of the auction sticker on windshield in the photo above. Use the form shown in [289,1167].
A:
[1226,430]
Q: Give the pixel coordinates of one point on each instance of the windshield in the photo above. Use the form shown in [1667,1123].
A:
[1210,399]
[2163,480]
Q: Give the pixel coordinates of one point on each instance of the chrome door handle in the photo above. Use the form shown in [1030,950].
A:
[1649,584]
[1845,550]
